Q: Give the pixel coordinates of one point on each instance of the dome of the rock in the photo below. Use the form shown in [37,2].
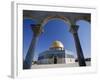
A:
[56,54]
[57,44]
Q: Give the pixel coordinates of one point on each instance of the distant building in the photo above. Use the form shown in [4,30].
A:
[56,55]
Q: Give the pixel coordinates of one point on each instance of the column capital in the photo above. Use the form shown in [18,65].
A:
[74,29]
[37,29]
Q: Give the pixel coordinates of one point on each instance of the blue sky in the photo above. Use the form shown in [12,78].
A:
[57,29]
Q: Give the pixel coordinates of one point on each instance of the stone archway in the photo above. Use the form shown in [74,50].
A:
[48,18]
[38,29]
[73,30]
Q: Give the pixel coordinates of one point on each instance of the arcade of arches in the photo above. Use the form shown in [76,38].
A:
[43,17]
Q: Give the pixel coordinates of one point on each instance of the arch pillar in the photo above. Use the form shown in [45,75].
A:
[80,56]
[37,29]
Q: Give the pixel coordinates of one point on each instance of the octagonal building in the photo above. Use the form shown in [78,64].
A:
[56,54]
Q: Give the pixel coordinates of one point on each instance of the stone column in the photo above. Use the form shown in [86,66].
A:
[80,56]
[37,29]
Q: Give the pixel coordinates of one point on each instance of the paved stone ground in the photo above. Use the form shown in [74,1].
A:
[88,63]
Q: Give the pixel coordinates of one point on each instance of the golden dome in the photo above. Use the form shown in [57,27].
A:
[57,44]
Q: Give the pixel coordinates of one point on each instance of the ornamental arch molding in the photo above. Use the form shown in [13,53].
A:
[48,18]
